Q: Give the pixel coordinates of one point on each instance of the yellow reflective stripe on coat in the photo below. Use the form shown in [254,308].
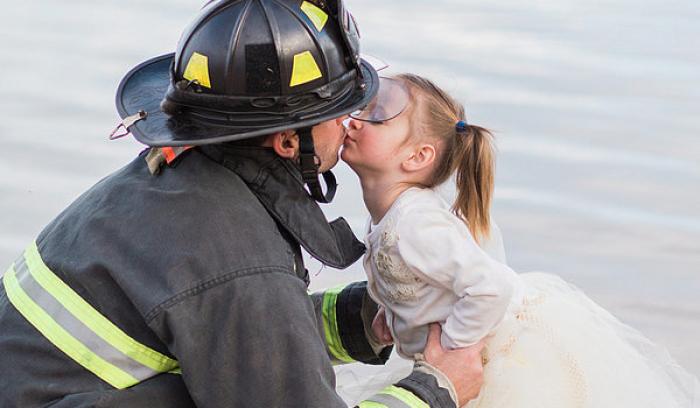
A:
[371,404]
[394,397]
[330,325]
[61,338]
[76,328]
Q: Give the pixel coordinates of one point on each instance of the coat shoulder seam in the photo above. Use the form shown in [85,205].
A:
[212,283]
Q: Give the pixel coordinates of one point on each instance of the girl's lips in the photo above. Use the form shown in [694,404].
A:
[348,137]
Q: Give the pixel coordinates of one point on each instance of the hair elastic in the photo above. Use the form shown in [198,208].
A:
[461,126]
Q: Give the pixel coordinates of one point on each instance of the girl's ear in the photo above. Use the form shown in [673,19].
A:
[285,144]
[421,158]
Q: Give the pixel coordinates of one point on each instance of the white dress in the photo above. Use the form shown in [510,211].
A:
[548,345]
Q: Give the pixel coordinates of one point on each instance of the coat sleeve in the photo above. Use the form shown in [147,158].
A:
[438,247]
[251,339]
[344,315]
[418,390]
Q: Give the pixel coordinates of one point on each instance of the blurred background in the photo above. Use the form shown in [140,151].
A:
[595,106]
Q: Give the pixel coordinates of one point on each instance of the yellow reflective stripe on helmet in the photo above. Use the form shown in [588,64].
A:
[330,325]
[61,338]
[405,396]
[317,16]
[93,319]
[197,69]
[304,69]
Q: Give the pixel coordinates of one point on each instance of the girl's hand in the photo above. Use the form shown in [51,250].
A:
[380,330]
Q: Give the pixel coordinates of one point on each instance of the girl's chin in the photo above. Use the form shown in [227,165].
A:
[346,156]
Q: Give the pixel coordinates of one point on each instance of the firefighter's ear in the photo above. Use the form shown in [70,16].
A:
[285,144]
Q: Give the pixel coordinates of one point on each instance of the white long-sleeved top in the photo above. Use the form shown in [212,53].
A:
[424,266]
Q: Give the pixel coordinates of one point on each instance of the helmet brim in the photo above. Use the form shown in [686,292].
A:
[143,89]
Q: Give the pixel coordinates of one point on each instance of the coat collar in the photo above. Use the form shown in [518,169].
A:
[278,184]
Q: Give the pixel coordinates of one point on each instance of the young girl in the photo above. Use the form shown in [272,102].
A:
[547,344]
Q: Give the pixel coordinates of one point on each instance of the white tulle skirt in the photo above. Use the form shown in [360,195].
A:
[558,349]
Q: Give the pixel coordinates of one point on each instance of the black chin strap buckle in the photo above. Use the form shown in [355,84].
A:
[310,163]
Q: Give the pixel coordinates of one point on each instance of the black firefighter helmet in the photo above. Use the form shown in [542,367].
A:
[246,68]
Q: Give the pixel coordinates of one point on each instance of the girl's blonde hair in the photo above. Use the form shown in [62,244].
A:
[467,151]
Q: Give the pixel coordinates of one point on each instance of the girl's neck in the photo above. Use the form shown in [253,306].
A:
[380,195]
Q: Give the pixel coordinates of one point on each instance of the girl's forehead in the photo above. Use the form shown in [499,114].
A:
[414,107]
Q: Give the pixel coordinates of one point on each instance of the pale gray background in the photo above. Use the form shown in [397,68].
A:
[595,105]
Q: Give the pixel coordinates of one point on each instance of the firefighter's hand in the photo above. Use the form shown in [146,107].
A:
[463,366]
[380,330]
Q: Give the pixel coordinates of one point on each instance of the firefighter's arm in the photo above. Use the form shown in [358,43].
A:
[420,389]
[250,339]
[344,316]
[440,378]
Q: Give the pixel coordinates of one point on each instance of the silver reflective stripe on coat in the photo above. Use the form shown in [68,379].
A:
[78,329]
[388,401]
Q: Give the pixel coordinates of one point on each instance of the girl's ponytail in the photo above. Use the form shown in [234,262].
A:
[473,161]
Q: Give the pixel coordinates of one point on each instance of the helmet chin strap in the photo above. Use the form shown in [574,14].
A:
[309,169]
